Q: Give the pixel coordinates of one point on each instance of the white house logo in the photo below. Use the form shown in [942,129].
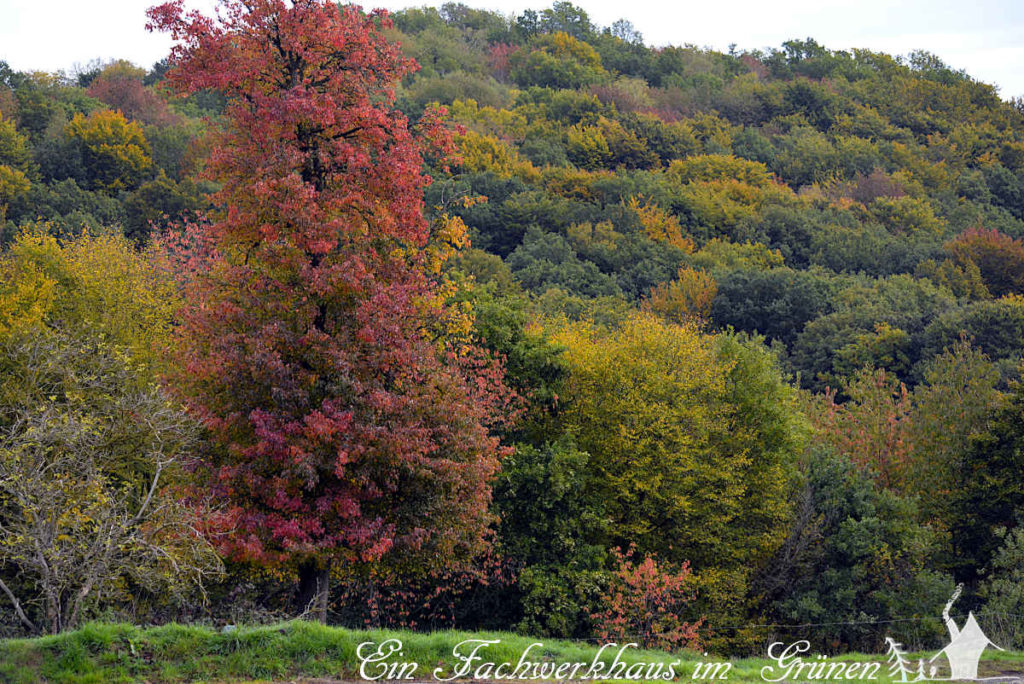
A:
[793,663]
[966,644]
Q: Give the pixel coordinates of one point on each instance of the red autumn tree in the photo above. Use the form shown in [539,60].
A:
[120,86]
[344,426]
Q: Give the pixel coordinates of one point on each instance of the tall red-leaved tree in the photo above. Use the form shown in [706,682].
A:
[344,426]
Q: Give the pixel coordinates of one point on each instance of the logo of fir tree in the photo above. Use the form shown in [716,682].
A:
[900,666]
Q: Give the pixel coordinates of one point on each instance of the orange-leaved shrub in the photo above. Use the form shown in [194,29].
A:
[644,601]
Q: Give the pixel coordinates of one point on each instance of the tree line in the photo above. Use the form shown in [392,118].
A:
[448,318]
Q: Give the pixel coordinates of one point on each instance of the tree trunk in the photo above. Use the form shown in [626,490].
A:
[314,589]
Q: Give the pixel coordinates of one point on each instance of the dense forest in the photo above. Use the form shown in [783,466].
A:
[700,348]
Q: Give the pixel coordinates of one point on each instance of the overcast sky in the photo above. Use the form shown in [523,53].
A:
[984,37]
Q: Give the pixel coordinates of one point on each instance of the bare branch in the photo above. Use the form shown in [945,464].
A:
[17,608]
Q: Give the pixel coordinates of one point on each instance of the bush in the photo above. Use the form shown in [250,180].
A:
[644,603]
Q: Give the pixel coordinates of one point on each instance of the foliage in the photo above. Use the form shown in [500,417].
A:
[114,150]
[721,205]
[990,495]
[856,553]
[377,596]
[660,225]
[90,447]
[857,209]
[688,297]
[483,153]
[120,86]
[722,255]
[18,169]
[852,333]
[951,407]
[644,602]
[908,215]
[15,152]
[558,600]
[85,460]
[914,441]
[541,494]
[995,326]
[680,446]
[357,436]
[1003,584]
[962,280]
[998,257]
[870,428]
[545,260]
[160,201]
[556,60]
[92,286]
[776,302]
[718,167]
[14,185]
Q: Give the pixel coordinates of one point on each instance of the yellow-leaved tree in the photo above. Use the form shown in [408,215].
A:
[89,444]
[692,441]
[659,224]
[114,150]
[480,153]
[15,166]
[92,285]
[686,298]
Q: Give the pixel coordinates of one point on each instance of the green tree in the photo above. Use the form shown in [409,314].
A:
[1003,587]
[900,302]
[161,200]
[776,303]
[990,492]
[546,260]
[856,553]
[556,60]
[565,17]
[952,406]
[996,327]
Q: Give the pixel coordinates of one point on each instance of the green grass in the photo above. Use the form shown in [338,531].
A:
[100,653]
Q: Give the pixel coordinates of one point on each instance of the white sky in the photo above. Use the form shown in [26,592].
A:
[984,37]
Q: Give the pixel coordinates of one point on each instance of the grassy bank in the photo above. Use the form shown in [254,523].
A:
[297,651]
[176,653]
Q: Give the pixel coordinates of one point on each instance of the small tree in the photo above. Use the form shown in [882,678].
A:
[120,86]
[688,297]
[115,150]
[999,257]
[85,457]
[644,603]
